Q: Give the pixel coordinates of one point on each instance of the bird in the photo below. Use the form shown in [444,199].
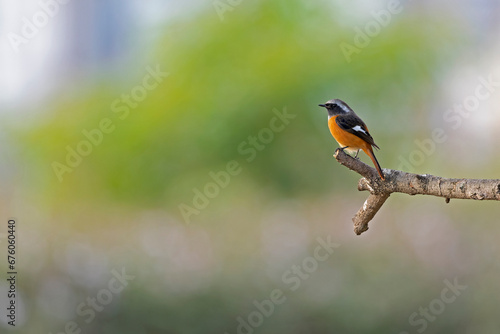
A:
[350,131]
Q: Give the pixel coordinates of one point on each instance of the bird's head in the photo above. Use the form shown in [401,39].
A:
[336,107]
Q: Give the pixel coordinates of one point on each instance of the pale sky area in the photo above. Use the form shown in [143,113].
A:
[72,39]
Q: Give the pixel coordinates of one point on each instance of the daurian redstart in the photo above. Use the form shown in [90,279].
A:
[350,131]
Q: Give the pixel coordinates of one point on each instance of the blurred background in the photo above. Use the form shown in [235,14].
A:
[170,171]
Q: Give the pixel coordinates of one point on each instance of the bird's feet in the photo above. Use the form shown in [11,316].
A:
[343,150]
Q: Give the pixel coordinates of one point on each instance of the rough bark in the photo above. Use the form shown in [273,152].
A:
[412,184]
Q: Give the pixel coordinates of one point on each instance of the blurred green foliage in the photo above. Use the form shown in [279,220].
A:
[225,80]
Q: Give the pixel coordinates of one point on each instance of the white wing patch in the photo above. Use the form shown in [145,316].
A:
[359,129]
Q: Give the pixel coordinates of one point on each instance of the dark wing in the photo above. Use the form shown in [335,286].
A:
[353,124]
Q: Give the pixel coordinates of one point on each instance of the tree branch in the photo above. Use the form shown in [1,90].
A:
[412,184]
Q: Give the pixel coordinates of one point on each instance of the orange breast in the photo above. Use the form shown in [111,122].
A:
[345,138]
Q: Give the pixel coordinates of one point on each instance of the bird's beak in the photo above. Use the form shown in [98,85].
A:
[322,105]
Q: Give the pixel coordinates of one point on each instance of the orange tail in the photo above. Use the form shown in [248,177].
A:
[369,152]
